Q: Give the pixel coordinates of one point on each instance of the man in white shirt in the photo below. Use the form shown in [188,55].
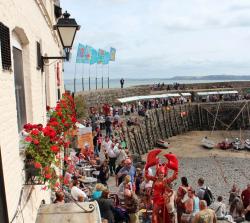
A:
[112,153]
[106,143]
[77,193]
[220,210]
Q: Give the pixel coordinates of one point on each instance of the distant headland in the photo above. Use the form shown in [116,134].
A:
[211,77]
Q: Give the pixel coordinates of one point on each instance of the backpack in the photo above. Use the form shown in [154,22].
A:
[208,196]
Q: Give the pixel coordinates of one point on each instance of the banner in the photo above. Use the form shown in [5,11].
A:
[106,58]
[101,54]
[94,56]
[87,55]
[84,136]
[80,53]
[112,54]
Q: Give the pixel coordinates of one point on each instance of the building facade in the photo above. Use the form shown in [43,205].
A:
[26,31]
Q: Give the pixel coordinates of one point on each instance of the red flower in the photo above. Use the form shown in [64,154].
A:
[44,188]
[37,165]
[40,127]
[47,108]
[48,176]
[46,169]
[28,139]
[35,132]
[53,119]
[54,149]
[66,124]
[49,131]
[27,127]
[54,123]
[73,119]
[35,141]
[59,113]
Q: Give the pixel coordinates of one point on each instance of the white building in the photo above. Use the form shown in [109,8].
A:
[24,93]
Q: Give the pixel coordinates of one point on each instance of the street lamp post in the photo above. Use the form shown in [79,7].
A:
[66,28]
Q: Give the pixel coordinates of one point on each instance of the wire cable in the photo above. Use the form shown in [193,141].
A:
[19,202]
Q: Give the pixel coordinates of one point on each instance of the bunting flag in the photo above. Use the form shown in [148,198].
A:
[80,53]
[101,54]
[106,58]
[94,56]
[112,54]
[87,54]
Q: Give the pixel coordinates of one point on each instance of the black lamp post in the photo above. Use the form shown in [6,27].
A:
[66,28]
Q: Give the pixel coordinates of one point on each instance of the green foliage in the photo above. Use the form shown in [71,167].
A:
[81,107]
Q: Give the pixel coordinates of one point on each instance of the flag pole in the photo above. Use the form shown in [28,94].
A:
[96,76]
[102,75]
[89,77]
[108,75]
[82,77]
[75,80]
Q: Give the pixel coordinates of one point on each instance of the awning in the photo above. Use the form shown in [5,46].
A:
[129,99]
[186,94]
[228,92]
[207,93]
[147,97]
[69,213]
[173,95]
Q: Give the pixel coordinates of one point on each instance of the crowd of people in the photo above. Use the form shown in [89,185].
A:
[124,192]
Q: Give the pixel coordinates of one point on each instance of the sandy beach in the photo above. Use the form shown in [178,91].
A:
[219,168]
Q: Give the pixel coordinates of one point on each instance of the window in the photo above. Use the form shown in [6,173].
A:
[5,46]
[19,88]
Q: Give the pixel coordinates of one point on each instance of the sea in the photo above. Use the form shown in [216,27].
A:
[93,84]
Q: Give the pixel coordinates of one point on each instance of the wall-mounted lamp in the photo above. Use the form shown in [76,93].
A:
[66,28]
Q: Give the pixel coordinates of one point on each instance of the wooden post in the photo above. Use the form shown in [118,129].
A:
[198,108]
[171,123]
[136,142]
[176,121]
[143,138]
[164,122]
[159,123]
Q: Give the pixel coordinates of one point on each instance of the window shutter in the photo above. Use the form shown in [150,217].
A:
[39,58]
[5,46]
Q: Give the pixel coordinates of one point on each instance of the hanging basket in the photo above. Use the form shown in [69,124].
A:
[32,174]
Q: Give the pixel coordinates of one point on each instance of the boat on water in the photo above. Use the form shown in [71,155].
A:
[207,143]
[162,143]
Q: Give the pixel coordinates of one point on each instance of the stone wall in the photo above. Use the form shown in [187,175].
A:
[98,97]
[101,96]
[165,122]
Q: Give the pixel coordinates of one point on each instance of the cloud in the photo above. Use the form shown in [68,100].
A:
[164,37]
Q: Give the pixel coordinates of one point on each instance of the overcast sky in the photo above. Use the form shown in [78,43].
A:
[164,38]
